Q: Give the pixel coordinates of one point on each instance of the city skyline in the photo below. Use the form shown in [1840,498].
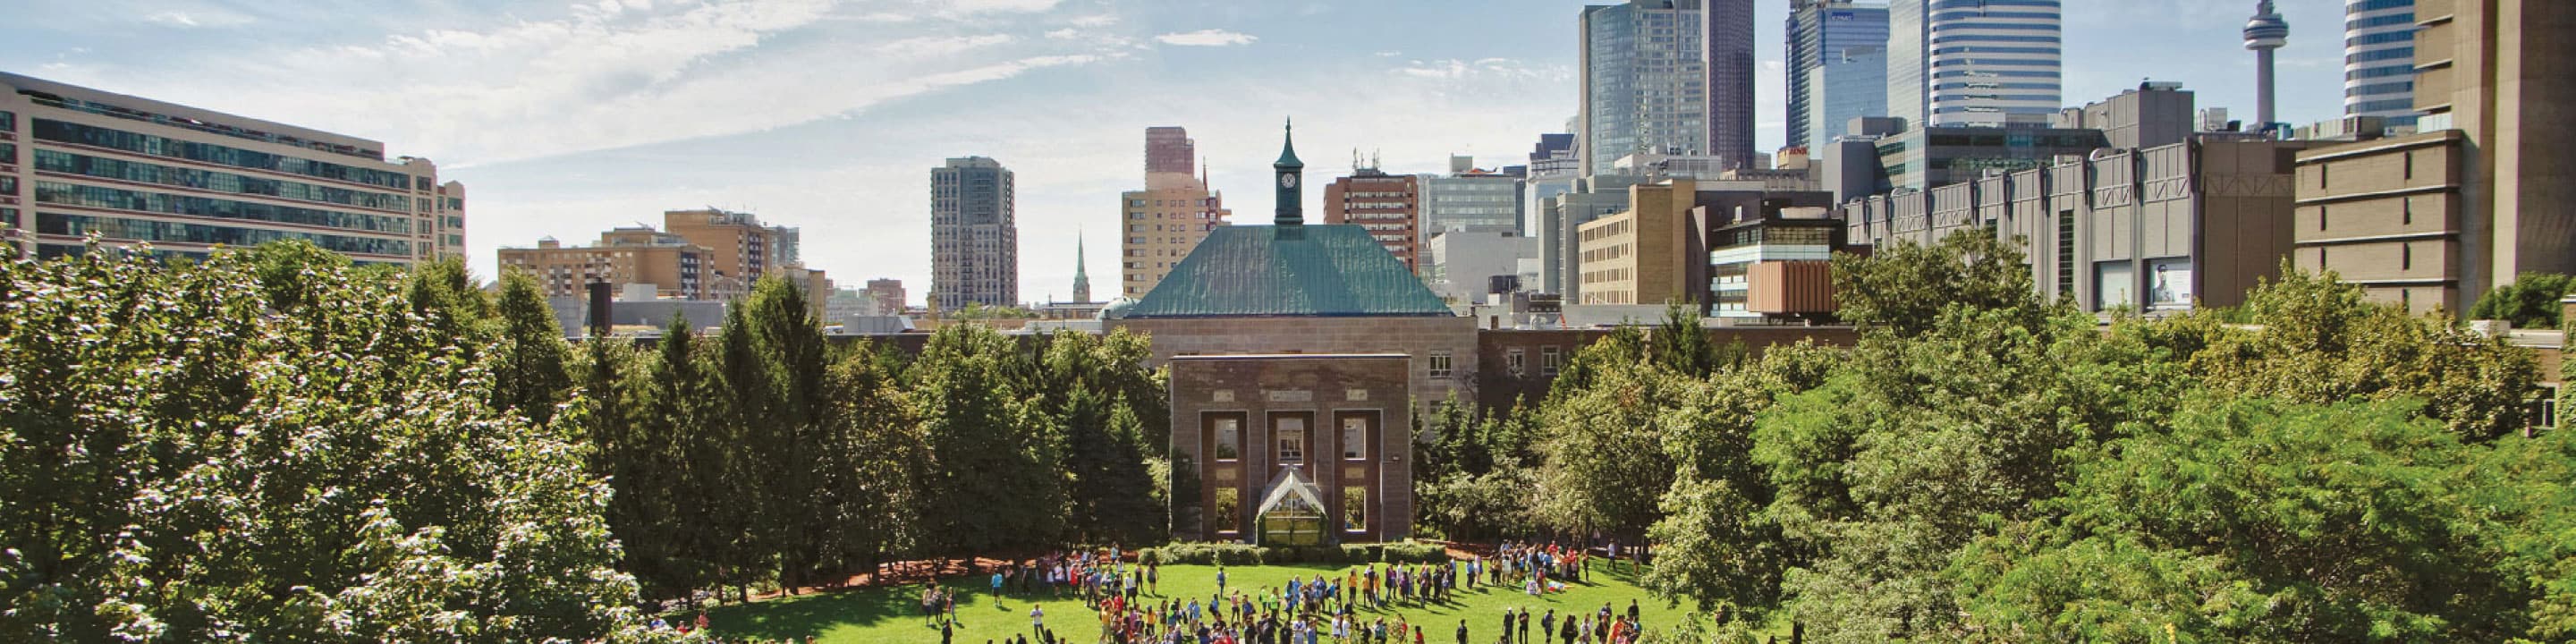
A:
[635,108]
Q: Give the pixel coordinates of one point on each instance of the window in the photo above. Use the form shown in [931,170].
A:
[1516,360]
[1229,438]
[2410,165]
[1289,433]
[1549,359]
[1439,364]
[1354,509]
[2406,211]
[1355,434]
[1229,510]
[2321,218]
[2321,175]
[2405,257]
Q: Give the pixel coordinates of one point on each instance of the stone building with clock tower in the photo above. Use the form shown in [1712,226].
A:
[1299,354]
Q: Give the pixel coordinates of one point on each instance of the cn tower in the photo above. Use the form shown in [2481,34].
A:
[2264,33]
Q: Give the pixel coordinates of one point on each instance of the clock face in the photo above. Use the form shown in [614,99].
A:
[1288,181]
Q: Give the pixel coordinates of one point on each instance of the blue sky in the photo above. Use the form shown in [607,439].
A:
[566,118]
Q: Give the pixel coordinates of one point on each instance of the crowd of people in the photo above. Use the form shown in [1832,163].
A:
[1355,605]
[1350,606]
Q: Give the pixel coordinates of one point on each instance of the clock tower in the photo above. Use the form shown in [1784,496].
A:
[1290,171]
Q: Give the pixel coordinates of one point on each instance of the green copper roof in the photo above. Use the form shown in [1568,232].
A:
[1316,270]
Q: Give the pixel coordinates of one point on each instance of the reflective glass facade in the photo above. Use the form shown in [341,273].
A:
[2379,60]
[51,192]
[122,229]
[1825,33]
[1982,44]
[153,173]
[129,169]
[1644,86]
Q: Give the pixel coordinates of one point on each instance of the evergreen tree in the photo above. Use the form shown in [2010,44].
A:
[531,377]
[993,484]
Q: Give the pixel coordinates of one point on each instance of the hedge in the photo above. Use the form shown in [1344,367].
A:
[1235,554]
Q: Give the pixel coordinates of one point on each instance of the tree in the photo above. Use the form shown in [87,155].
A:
[2321,341]
[992,485]
[1604,460]
[1904,288]
[530,376]
[2530,302]
[2259,521]
[243,449]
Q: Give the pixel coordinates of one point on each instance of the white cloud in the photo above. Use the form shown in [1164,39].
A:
[1095,21]
[1206,38]
[970,7]
[1067,33]
[199,18]
[617,73]
[1482,68]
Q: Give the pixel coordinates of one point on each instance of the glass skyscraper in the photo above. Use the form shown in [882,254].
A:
[1826,38]
[1645,88]
[2379,59]
[1980,62]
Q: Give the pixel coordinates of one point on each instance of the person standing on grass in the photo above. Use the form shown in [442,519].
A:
[1462,631]
[1037,619]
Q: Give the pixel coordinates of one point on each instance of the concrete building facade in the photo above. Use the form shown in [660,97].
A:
[76,161]
[2161,229]
[1837,67]
[1389,206]
[974,235]
[1459,265]
[1986,62]
[2484,188]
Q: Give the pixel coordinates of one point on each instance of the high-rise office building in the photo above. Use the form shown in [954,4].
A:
[974,235]
[1161,224]
[1726,54]
[2379,59]
[1644,84]
[76,161]
[1832,46]
[1974,62]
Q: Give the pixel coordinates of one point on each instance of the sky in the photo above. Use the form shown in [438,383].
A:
[564,119]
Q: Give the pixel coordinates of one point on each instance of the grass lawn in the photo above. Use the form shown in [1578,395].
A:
[891,615]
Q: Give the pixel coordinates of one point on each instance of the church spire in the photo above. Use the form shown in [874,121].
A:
[1081,279]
